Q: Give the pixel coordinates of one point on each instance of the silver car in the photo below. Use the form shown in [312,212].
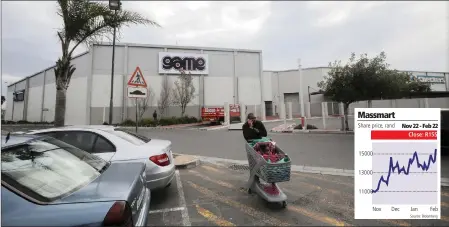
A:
[115,145]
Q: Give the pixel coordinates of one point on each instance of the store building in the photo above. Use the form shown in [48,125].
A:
[220,75]
[284,86]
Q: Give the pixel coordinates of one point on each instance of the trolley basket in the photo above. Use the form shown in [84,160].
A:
[268,172]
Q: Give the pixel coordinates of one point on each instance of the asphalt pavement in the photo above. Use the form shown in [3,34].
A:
[211,195]
[334,151]
[214,195]
[316,150]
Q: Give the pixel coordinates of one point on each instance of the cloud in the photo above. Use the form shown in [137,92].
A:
[413,34]
[7,80]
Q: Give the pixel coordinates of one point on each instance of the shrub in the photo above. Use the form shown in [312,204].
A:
[307,127]
[128,122]
[147,122]
[7,122]
[195,120]
[182,120]
[187,120]
[165,121]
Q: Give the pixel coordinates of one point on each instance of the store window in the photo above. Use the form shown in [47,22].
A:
[19,96]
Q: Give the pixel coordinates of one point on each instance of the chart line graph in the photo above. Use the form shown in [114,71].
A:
[392,167]
[397,163]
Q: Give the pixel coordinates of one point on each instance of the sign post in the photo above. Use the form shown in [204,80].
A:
[137,89]
[137,118]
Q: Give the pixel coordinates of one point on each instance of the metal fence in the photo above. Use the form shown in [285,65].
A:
[328,115]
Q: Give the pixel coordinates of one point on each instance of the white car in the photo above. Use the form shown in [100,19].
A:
[115,145]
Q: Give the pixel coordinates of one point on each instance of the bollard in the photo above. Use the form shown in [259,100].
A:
[290,111]
[324,113]
[283,113]
[227,119]
[242,112]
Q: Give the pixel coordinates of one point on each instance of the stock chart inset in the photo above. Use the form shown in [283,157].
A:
[397,163]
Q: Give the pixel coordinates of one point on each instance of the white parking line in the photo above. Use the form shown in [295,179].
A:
[182,201]
[167,210]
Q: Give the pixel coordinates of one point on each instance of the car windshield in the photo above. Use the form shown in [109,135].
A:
[131,137]
[47,169]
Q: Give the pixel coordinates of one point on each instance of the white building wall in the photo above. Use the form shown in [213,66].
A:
[249,90]
[288,82]
[196,84]
[76,96]
[101,87]
[220,90]
[267,90]
[9,100]
[40,95]
[221,64]
[154,85]
[34,108]
[275,89]
[220,85]
[234,77]
[433,86]
[147,60]
[48,113]
[76,102]
[18,106]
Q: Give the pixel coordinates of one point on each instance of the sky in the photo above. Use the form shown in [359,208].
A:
[414,34]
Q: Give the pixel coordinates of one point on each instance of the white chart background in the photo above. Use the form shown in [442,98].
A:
[364,203]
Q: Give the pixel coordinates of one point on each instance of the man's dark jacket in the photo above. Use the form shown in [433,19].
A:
[256,132]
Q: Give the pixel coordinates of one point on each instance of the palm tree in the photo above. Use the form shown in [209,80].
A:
[84,22]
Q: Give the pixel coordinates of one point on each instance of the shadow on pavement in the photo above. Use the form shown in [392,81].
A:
[215,195]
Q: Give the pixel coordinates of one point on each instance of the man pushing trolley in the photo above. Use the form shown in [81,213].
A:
[268,164]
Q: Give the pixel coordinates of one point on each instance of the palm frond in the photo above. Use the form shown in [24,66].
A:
[86,21]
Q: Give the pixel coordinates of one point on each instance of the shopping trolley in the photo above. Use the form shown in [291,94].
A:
[270,173]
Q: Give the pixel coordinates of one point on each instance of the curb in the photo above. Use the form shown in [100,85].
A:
[211,128]
[156,128]
[284,128]
[295,168]
[152,128]
[22,125]
[189,164]
[214,128]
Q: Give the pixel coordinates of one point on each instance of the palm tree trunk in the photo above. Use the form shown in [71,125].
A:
[61,96]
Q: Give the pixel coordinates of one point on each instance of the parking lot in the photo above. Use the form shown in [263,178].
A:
[214,195]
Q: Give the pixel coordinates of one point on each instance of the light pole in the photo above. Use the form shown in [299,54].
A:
[113,5]
[301,90]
